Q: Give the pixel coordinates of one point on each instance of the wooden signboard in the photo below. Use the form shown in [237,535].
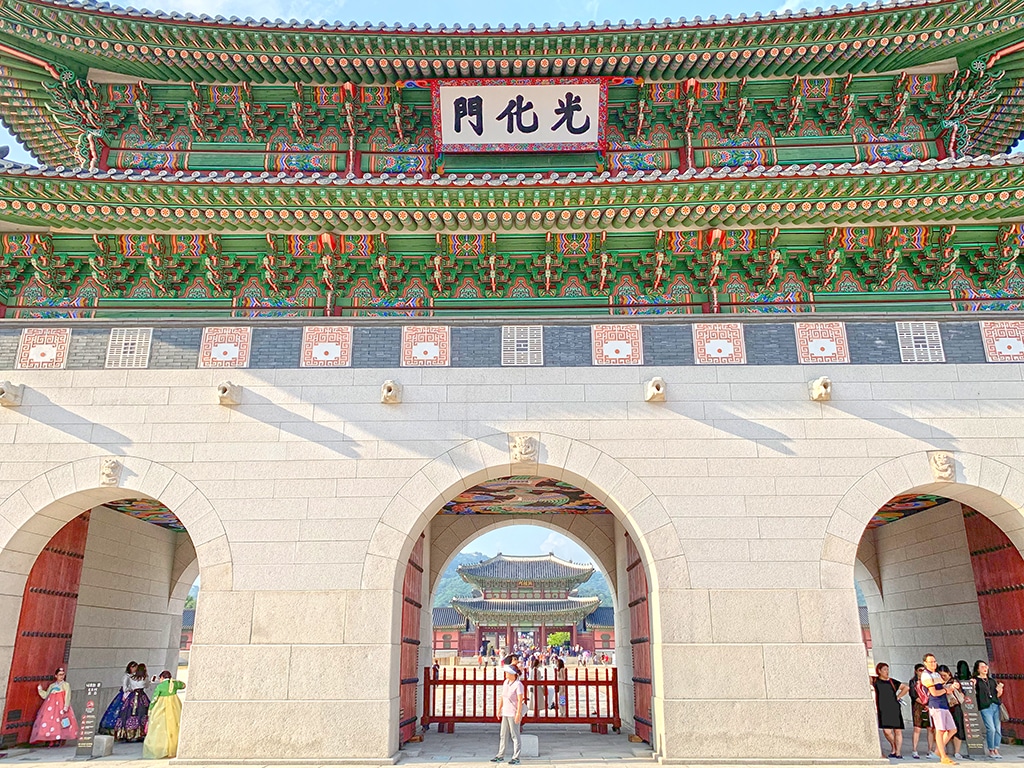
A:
[973,725]
[90,720]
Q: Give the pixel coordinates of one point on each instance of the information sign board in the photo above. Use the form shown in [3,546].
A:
[89,721]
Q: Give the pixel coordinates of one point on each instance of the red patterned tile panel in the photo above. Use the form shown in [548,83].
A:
[43,348]
[426,345]
[719,344]
[822,343]
[617,344]
[1003,340]
[225,347]
[326,346]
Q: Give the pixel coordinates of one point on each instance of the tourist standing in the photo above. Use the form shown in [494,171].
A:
[954,697]
[989,692]
[513,695]
[888,693]
[55,721]
[919,712]
[938,707]
[164,719]
[109,721]
[134,716]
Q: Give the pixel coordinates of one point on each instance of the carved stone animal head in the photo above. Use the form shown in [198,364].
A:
[655,390]
[821,389]
[390,392]
[228,393]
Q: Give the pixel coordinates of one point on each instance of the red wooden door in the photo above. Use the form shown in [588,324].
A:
[47,617]
[640,640]
[412,607]
[999,579]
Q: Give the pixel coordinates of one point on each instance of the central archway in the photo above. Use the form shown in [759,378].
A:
[630,504]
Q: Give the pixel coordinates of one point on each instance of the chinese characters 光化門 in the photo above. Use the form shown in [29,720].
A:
[519,115]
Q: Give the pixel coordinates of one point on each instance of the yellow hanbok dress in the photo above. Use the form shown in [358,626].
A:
[164,721]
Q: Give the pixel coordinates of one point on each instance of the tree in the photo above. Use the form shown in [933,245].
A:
[190,603]
[555,639]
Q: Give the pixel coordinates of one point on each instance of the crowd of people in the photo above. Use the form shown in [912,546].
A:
[145,709]
[937,702]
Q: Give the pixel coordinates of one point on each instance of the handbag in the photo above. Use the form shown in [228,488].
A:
[65,723]
[1004,715]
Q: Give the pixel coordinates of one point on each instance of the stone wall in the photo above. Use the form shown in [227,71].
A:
[747,500]
[124,607]
[929,603]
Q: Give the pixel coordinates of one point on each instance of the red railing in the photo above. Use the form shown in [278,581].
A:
[582,696]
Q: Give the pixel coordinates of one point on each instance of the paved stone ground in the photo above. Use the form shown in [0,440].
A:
[1012,753]
[559,745]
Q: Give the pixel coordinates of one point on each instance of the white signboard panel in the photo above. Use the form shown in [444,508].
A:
[519,115]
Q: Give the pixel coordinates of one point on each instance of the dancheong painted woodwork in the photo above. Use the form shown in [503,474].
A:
[773,163]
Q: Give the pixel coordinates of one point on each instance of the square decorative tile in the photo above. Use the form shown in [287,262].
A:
[822,343]
[225,347]
[326,346]
[522,345]
[920,342]
[43,348]
[1003,340]
[129,348]
[617,344]
[424,345]
[718,344]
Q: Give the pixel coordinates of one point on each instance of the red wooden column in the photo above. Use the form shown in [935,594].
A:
[412,593]
[47,618]
[999,580]
[640,639]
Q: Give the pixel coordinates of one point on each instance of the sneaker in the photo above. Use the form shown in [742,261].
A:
[514,761]
[915,755]
[497,759]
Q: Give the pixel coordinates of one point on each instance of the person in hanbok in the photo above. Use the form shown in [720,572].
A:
[55,722]
[109,721]
[134,716]
[164,719]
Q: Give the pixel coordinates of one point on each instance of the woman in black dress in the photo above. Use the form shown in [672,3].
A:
[888,693]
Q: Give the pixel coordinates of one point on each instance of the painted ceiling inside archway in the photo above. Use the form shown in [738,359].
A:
[148,510]
[524,494]
[906,505]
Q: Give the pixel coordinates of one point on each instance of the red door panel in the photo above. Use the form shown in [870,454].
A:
[47,617]
[640,640]
[999,579]
[411,610]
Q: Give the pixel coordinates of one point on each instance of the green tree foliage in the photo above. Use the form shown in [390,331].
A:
[556,639]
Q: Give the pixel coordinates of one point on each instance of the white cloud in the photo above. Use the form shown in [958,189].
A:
[791,5]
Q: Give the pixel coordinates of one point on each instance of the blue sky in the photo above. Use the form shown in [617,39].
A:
[450,12]
[525,539]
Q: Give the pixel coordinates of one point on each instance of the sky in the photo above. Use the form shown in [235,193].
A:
[525,539]
[451,12]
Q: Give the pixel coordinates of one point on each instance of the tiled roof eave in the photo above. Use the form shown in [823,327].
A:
[713,22]
[986,188]
[821,43]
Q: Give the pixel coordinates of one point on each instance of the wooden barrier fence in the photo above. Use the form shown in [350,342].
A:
[582,696]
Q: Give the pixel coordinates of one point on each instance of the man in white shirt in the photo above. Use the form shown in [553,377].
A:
[513,695]
[938,707]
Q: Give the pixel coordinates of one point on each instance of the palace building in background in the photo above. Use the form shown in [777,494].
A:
[738,299]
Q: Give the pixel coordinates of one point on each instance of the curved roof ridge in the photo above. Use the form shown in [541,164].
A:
[550,557]
[713,21]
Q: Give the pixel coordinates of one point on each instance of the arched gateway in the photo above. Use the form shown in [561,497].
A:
[96,560]
[607,488]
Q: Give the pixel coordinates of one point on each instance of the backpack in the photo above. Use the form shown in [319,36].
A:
[921,693]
